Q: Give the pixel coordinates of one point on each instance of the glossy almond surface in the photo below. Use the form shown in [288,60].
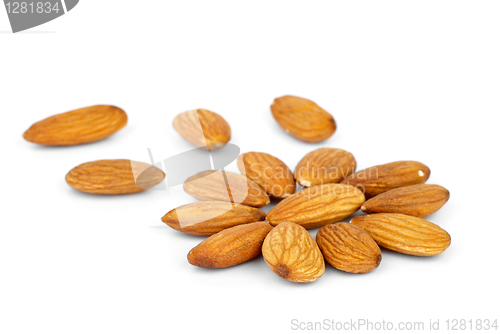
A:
[268,172]
[226,187]
[317,206]
[112,177]
[404,234]
[348,248]
[230,247]
[210,217]
[78,126]
[303,118]
[203,128]
[420,200]
[378,179]
[291,252]
[324,165]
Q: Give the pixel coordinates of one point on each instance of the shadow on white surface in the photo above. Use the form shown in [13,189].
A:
[27,32]
[40,147]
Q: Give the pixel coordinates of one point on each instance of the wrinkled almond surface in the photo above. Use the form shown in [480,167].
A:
[230,247]
[378,179]
[420,200]
[348,248]
[78,126]
[268,172]
[226,187]
[203,128]
[291,252]
[324,165]
[111,177]
[303,119]
[207,218]
[404,234]
[317,206]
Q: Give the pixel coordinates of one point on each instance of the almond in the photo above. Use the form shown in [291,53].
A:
[324,165]
[227,187]
[378,179]
[230,247]
[317,206]
[420,200]
[291,252]
[303,118]
[348,248]
[203,128]
[207,218]
[111,177]
[78,126]
[404,234]
[268,172]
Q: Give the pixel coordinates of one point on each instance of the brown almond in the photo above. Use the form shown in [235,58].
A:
[230,247]
[420,200]
[207,218]
[404,234]
[291,252]
[111,177]
[268,172]
[324,165]
[227,187]
[378,179]
[203,128]
[317,206]
[348,248]
[303,119]
[78,126]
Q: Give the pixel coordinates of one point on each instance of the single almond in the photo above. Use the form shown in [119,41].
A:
[207,218]
[111,177]
[268,172]
[420,200]
[324,165]
[404,234]
[291,252]
[203,128]
[317,206]
[303,119]
[378,179]
[230,247]
[227,187]
[78,126]
[348,248]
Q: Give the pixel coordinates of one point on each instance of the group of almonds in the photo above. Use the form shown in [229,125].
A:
[393,195]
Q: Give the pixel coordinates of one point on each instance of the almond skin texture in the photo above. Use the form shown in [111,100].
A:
[317,206]
[378,179]
[207,218]
[404,234]
[303,119]
[291,252]
[324,165]
[230,247]
[112,177]
[203,128]
[348,248]
[78,126]
[211,186]
[268,172]
[420,200]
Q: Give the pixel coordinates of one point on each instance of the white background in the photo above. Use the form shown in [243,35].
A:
[404,80]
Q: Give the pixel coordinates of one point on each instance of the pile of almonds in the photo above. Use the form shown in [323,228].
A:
[394,196]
